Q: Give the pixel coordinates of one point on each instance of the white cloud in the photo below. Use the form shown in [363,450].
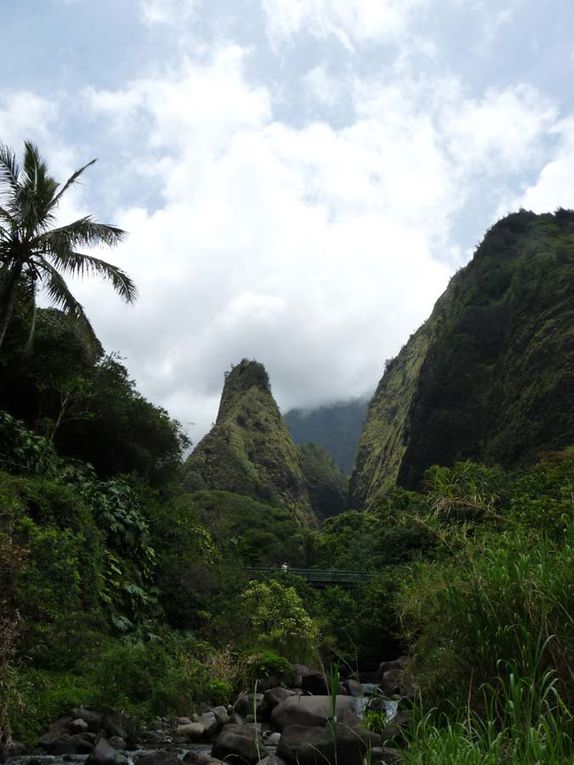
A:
[351,21]
[23,114]
[313,249]
[167,11]
[554,186]
[322,86]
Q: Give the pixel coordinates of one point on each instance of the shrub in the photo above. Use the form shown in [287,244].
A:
[274,618]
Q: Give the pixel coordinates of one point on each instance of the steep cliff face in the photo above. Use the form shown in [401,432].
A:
[490,376]
[249,450]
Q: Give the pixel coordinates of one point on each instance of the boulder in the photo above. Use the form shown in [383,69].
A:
[303,745]
[271,738]
[309,710]
[354,687]
[249,704]
[105,754]
[211,724]
[117,742]
[161,757]
[311,680]
[193,731]
[275,696]
[78,725]
[385,755]
[400,663]
[237,744]
[271,759]
[91,718]
[221,715]
[391,682]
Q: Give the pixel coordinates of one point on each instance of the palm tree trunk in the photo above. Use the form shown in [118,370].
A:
[8,300]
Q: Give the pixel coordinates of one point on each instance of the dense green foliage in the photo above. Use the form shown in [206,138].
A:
[326,484]
[337,428]
[489,376]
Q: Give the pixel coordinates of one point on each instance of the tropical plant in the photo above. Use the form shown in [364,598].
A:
[36,253]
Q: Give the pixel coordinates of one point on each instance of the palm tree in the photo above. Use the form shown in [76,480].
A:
[34,254]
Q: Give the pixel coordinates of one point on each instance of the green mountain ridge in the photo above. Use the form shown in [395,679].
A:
[336,427]
[490,375]
[249,450]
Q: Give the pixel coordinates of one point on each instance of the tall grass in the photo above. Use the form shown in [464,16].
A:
[525,723]
[506,596]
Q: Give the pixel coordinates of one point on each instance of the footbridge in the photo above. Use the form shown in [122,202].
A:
[315,577]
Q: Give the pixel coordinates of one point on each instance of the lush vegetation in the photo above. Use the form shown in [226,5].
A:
[122,569]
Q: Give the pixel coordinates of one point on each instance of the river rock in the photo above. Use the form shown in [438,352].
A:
[193,731]
[161,757]
[311,680]
[400,663]
[210,723]
[272,759]
[275,696]
[309,710]
[303,745]
[354,687]
[221,715]
[104,754]
[271,738]
[117,742]
[91,718]
[237,744]
[251,703]
[78,725]
[385,755]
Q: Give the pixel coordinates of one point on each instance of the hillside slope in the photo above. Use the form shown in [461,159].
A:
[490,375]
[249,450]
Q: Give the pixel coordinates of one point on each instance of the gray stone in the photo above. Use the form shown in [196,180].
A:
[221,714]
[271,738]
[183,721]
[193,731]
[391,682]
[311,680]
[275,696]
[303,745]
[105,754]
[78,725]
[354,687]
[117,742]
[272,759]
[237,744]
[161,757]
[251,704]
[385,755]
[309,710]
[93,719]
[210,723]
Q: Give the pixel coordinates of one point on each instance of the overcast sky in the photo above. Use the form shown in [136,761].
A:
[300,178]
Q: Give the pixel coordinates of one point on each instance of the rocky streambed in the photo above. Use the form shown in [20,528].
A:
[302,725]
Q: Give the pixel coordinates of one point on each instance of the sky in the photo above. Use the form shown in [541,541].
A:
[299,178]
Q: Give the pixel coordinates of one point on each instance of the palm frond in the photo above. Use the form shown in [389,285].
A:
[80,264]
[84,232]
[9,170]
[36,190]
[70,182]
[62,298]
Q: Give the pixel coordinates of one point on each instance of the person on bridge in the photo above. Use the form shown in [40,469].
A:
[284,567]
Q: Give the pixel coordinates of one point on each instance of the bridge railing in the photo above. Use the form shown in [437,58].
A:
[318,576]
